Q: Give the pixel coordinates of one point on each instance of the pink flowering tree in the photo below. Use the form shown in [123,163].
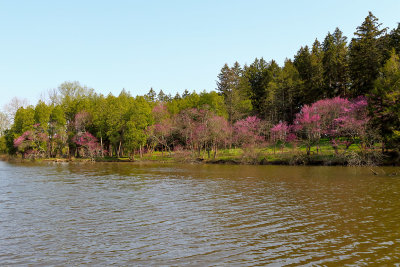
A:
[352,123]
[218,133]
[279,134]
[160,132]
[82,121]
[248,132]
[191,125]
[341,120]
[329,110]
[307,125]
[32,143]
[200,119]
[201,130]
[87,145]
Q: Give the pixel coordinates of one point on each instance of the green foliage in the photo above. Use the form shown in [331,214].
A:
[259,75]
[394,39]
[151,96]
[42,114]
[262,89]
[73,98]
[24,120]
[138,118]
[57,116]
[9,137]
[3,144]
[284,94]
[235,91]
[366,55]
[335,64]
[310,68]
[384,101]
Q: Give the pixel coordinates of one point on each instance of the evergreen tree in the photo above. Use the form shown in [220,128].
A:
[270,102]
[384,101]
[335,64]
[234,89]
[162,97]
[286,89]
[395,39]
[366,56]
[259,76]
[317,80]
[185,93]
[310,68]
[151,95]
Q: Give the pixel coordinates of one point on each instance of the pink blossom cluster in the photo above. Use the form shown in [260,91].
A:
[88,142]
[248,131]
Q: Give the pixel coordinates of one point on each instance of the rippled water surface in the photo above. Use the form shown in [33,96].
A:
[153,214]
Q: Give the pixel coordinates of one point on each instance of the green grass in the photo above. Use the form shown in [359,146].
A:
[288,154]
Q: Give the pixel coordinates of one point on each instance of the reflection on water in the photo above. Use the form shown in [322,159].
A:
[152,214]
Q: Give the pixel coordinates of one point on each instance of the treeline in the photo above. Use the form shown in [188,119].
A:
[324,70]
[348,93]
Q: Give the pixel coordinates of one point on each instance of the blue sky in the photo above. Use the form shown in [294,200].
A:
[168,45]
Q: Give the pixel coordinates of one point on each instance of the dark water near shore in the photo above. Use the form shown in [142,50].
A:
[153,214]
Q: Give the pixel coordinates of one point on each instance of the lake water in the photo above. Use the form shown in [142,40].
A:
[154,214]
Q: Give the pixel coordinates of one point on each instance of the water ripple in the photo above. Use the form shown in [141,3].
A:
[149,214]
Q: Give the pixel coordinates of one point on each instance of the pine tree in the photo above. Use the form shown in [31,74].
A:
[286,89]
[151,95]
[258,75]
[366,56]
[310,68]
[384,101]
[162,97]
[395,39]
[234,89]
[335,64]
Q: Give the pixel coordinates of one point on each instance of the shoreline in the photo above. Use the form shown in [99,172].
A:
[287,160]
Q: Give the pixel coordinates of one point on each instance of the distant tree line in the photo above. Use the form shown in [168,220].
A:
[348,93]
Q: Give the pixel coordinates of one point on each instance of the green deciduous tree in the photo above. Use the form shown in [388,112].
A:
[42,114]
[384,101]
[24,120]
[138,118]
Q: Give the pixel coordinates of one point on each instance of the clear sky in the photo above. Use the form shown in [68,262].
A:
[169,45]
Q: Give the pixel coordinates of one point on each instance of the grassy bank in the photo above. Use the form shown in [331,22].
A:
[323,155]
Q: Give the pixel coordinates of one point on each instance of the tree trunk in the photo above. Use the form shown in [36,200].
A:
[101,145]
[119,149]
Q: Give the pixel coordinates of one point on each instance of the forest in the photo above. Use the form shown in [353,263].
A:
[336,95]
